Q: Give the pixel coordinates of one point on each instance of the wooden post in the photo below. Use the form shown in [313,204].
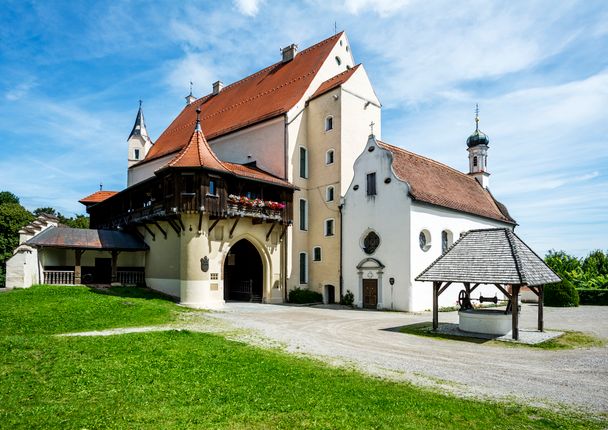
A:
[435,305]
[515,311]
[77,266]
[114,266]
[541,296]
[467,289]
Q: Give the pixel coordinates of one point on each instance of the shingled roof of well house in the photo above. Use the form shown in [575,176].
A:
[435,183]
[263,95]
[490,256]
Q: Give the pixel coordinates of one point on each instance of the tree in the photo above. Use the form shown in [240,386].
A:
[566,266]
[595,264]
[8,197]
[47,211]
[13,217]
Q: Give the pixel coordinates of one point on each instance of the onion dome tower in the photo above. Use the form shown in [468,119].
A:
[477,146]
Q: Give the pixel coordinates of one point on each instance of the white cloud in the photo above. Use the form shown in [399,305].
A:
[248,7]
[384,8]
[19,91]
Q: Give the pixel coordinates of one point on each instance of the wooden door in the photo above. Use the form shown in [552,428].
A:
[103,270]
[370,293]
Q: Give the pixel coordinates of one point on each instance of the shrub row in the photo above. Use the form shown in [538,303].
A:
[562,294]
[301,296]
[593,297]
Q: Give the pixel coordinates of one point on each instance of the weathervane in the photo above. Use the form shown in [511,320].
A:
[191,87]
[476,117]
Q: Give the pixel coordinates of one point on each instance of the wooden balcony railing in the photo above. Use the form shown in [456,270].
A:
[58,277]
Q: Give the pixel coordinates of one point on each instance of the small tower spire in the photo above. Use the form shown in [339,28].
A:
[139,141]
[198,120]
[477,146]
[190,98]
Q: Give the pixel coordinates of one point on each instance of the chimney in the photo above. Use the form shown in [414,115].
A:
[217,87]
[289,52]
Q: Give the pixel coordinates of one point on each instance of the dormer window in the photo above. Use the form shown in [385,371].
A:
[136,154]
[329,123]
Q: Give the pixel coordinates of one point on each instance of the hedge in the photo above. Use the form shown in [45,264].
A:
[301,296]
[562,294]
[593,297]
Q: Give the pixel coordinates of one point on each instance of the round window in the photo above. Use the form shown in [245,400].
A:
[425,240]
[371,242]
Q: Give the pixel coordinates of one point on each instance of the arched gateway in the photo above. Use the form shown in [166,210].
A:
[243,273]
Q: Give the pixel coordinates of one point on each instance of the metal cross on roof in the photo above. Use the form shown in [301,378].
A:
[371,126]
[476,116]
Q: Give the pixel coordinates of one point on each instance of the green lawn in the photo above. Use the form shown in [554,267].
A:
[180,380]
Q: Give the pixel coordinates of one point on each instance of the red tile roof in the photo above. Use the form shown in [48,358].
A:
[263,95]
[438,184]
[334,82]
[97,197]
[257,174]
[197,153]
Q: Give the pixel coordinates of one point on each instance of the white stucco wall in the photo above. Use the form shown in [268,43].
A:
[388,215]
[435,219]
[141,172]
[262,143]
[398,221]
[22,269]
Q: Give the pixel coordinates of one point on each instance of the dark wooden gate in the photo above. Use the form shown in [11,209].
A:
[370,293]
[103,271]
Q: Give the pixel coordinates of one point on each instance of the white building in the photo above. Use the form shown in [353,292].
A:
[401,212]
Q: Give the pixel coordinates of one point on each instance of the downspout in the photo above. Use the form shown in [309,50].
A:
[286,236]
[341,241]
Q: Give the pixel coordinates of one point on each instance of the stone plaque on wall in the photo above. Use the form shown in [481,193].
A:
[205,263]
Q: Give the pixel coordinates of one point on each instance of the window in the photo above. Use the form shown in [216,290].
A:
[329,123]
[371,184]
[474,161]
[303,215]
[303,163]
[136,152]
[338,61]
[329,157]
[446,240]
[425,240]
[316,253]
[329,194]
[214,276]
[212,188]
[303,268]
[329,227]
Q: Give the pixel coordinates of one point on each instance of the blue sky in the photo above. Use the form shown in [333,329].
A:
[71,75]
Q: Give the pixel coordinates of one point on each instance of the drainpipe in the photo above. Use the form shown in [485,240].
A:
[341,278]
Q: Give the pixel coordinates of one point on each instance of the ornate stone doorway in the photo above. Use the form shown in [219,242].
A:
[243,273]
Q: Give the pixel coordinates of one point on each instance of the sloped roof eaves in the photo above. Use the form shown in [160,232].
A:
[490,256]
[334,82]
[435,183]
[76,238]
[265,94]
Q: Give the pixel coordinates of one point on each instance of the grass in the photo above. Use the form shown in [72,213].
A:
[180,379]
[569,340]
[46,309]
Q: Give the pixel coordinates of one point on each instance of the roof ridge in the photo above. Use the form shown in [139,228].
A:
[304,51]
[515,255]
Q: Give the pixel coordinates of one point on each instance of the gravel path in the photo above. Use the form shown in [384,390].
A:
[368,341]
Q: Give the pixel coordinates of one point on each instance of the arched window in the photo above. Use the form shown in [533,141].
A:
[475,161]
[303,268]
[329,194]
[303,163]
[446,240]
[329,227]
[316,253]
[329,123]
[303,215]
[329,157]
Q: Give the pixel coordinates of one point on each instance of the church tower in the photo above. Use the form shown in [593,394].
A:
[139,141]
[477,146]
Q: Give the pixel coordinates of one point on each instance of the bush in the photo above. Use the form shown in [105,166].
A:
[301,296]
[347,299]
[562,294]
[593,297]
